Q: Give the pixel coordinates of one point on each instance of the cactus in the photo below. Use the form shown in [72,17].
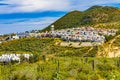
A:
[86,60]
[44,58]
[93,65]
[58,66]
[118,62]
[80,43]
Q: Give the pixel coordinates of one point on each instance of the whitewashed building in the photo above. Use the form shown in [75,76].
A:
[13,57]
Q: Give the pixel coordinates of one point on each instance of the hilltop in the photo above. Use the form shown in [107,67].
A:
[96,16]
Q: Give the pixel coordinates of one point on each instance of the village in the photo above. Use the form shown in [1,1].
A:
[83,34]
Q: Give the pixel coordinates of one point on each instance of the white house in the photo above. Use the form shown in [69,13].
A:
[13,57]
[15,37]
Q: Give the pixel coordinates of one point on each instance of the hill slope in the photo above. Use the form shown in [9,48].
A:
[44,46]
[41,46]
[107,17]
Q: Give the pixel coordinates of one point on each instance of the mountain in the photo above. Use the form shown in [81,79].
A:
[96,16]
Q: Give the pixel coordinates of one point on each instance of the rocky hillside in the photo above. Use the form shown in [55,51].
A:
[111,48]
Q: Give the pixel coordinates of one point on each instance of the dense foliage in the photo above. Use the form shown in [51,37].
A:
[64,68]
[54,62]
[44,46]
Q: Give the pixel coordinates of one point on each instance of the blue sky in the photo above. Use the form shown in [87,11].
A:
[25,15]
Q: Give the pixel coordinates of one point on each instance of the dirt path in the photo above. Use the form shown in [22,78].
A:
[108,50]
[78,44]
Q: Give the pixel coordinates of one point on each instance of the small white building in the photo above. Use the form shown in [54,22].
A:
[15,37]
[13,57]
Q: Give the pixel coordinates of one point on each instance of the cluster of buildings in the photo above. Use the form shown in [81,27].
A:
[14,57]
[18,36]
[83,34]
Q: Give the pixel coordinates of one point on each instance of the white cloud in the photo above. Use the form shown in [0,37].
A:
[28,24]
[48,5]
[85,4]
[21,6]
[44,5]
[33,5]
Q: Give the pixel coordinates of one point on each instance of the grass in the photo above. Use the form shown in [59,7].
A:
[57,62]
[63,68]
[44,46]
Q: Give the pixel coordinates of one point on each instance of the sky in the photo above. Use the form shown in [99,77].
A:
[27,15]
